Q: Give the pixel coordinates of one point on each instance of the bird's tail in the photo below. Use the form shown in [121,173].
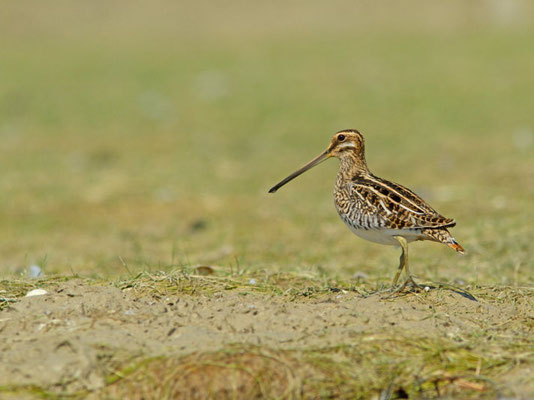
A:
[442,235]
[456,246]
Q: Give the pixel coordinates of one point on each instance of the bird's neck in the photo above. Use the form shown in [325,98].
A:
[351,165]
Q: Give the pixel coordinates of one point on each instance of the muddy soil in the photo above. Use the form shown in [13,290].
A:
[66,337]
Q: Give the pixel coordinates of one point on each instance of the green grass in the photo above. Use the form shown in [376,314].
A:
[137,142]
[120,149]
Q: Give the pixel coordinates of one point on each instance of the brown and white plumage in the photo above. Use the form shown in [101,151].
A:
[368,203]
[374,208]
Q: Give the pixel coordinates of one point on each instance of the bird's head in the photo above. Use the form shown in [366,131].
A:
[345,145]
[347,142]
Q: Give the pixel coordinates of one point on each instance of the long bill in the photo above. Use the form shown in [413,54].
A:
[316,161]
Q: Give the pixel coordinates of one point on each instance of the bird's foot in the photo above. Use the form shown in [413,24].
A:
[409,284]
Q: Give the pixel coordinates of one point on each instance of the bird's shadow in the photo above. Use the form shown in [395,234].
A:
[455,289]
[426,288]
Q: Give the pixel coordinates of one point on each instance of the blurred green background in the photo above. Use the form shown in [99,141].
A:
[151,131]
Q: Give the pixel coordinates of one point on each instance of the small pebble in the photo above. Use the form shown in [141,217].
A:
[198,225]
[360,275]
[34,271]
[36,292]
[427,289]
[129,312]
[252,281]
[204,270]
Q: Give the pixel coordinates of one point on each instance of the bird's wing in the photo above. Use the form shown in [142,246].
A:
[398,206]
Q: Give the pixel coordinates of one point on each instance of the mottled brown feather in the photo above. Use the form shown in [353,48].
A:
[396,204]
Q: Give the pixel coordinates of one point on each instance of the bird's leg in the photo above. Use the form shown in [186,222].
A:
[403,261]
[409,278]
[403,265]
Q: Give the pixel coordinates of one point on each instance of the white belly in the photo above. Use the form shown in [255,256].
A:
[384,235]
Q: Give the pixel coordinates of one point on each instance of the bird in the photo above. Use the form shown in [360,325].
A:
[376,209]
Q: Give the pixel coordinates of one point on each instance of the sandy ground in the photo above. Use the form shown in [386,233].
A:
[67,337]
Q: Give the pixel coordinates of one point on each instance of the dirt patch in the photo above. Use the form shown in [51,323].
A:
[74,337]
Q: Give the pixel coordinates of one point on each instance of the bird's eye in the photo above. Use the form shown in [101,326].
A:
[340,137]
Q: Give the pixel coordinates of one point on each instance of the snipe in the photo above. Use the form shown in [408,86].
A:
[376,209]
